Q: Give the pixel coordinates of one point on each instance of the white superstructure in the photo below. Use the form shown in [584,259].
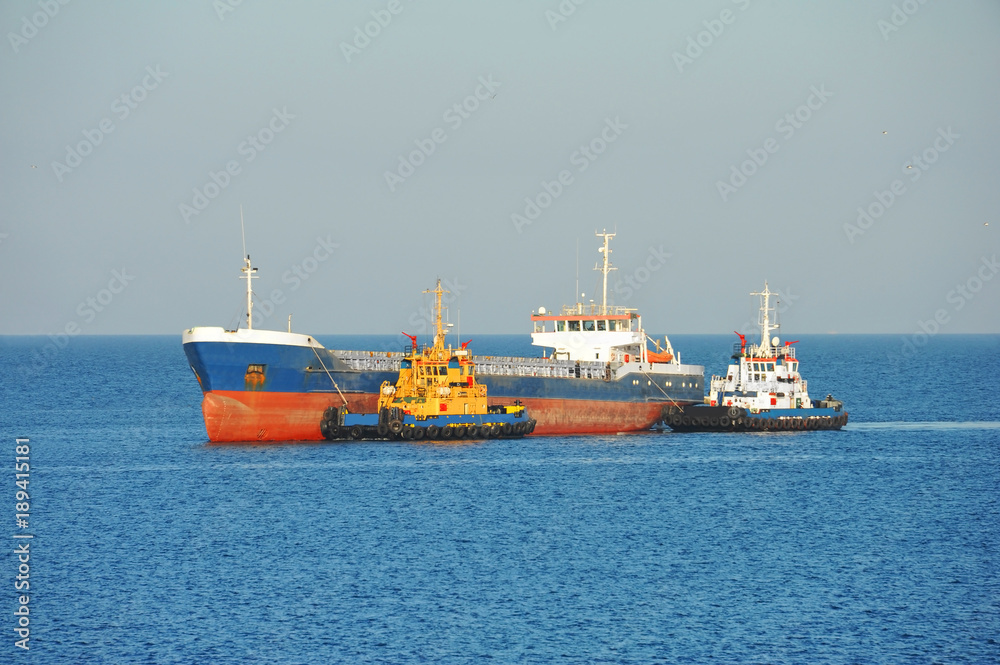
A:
[766,375]
[598,333]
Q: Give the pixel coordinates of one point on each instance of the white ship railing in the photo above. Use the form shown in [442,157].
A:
[594,309]
[487,365]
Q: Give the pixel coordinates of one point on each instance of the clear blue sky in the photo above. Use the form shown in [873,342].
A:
[725,142]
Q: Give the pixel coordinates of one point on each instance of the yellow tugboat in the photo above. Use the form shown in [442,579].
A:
[436,396]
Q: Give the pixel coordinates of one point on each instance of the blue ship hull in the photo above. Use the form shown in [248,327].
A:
[278,390]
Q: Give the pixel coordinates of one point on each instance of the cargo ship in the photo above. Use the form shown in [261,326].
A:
[762,391]
[595,375]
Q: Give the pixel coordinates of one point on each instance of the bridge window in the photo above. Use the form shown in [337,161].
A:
[560,326]
[588,325]
[574,326]
[602,325]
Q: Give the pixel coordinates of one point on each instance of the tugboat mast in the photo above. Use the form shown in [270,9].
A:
[606,268]
[438,327]
[765,319]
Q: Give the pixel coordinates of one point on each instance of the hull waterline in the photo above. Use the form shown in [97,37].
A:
[234,416]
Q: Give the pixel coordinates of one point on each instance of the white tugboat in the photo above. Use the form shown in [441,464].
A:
[762,391]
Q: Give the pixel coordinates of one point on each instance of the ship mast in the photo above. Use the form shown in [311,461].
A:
[438,327]
[249,273]
[765,319]
[606,267]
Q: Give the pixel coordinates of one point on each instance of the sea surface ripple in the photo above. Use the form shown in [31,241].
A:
[876,544]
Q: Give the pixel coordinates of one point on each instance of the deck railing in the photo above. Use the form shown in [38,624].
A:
[488,365]
[593,309]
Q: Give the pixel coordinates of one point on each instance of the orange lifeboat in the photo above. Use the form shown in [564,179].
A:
[655,357]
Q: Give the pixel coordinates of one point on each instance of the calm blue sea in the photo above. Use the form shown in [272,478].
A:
[876,544]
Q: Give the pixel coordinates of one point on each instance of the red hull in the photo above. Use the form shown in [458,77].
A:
[566,416]
[232,416]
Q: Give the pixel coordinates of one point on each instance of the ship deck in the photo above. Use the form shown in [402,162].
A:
[388,361]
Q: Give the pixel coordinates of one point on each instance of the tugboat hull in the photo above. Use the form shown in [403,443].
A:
[393,424]
[736,419]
